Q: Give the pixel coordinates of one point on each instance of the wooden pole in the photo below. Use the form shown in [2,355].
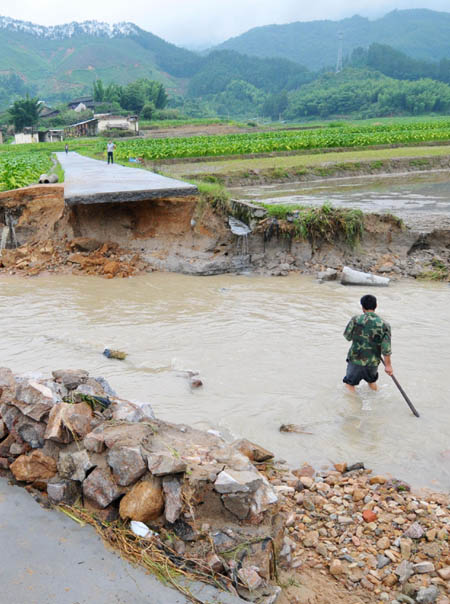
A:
[403,393]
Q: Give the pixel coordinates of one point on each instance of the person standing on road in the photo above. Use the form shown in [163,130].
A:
[110,151]
[66,148]
[370,337]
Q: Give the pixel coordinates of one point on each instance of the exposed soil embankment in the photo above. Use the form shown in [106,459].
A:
[192,235]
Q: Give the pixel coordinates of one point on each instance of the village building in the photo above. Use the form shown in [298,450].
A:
[29,135]
[102,122]
[81,104]
[84,128]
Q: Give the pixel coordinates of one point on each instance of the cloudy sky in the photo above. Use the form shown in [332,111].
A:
[198,23]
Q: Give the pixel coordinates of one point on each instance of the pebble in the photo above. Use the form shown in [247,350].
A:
[423,567]
[415,531]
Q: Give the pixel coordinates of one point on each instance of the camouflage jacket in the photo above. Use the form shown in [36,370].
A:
[370,337]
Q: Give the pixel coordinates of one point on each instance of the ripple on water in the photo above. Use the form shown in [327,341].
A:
[270,352]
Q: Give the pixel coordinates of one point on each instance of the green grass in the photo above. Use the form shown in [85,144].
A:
[317,224]
[438,271]
[58,170]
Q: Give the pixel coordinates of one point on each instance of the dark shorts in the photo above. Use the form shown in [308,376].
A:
[356,373]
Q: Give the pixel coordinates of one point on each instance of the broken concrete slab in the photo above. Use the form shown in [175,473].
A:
[90,181]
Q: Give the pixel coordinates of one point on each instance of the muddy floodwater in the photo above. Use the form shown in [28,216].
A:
[421,200]
[270,351]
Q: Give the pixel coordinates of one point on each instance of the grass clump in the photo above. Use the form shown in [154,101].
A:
[438,271]
[213,194]
[315,224]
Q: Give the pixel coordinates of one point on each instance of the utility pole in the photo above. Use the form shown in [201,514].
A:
[339,55]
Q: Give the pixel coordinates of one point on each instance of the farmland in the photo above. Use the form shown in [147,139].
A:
[284,141]
[21,165]
[21,169]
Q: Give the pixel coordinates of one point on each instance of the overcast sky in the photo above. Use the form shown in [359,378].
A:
[198,23]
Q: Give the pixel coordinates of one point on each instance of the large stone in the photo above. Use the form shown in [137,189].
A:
[126,411]
[3,429]
[11,416]
[6,444]
[127,464]
[252,451]
[74,465]
[67,420]
[61,490]
[427,595]
[237,504]
[32,392]
[232,481]
[95,440]
[7,385]
[250,578]
[161,464]
[126,434]
[330,274]
[173,499]
[351,277]
[263,498]
[32,467]
[144,502]
[32,433]
[71,378]
[100,488]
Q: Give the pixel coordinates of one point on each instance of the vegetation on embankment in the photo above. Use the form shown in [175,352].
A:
[314,224]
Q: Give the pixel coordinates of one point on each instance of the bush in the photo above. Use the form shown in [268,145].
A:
[148,110]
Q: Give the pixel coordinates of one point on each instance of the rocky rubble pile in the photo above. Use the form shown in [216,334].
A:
[71,439]
[366,532]
[78,256]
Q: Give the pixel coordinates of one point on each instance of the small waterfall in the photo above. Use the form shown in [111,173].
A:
[242,231]
[8,238]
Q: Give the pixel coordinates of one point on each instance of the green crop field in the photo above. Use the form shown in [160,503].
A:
[21,169]
[287,140]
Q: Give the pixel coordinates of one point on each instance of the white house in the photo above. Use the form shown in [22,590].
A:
[106,121]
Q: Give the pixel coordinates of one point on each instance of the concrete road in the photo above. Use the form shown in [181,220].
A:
[47,558]
[90,181]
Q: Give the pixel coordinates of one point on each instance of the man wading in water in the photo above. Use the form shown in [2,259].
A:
[371,338]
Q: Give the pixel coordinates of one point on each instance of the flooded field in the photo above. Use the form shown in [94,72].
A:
[270,351]
[422,200]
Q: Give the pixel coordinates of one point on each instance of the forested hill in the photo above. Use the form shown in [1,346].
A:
[420,33]
[68,58]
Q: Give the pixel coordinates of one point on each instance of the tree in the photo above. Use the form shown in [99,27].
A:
[99,91]
[148,110]
[25,112]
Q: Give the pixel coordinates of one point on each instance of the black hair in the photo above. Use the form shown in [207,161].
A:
[368,302]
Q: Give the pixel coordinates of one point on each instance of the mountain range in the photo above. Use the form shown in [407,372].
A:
[420,33]
[63,61]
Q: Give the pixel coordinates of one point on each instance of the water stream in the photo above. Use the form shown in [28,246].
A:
[8,237]
[269,350]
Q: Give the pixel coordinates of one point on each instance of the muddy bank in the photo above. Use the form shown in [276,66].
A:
[224,513]
[192,235]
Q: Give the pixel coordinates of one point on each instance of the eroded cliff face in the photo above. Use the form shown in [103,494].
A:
[189,235]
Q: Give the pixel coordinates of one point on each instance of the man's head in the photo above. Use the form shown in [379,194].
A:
[368,302]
